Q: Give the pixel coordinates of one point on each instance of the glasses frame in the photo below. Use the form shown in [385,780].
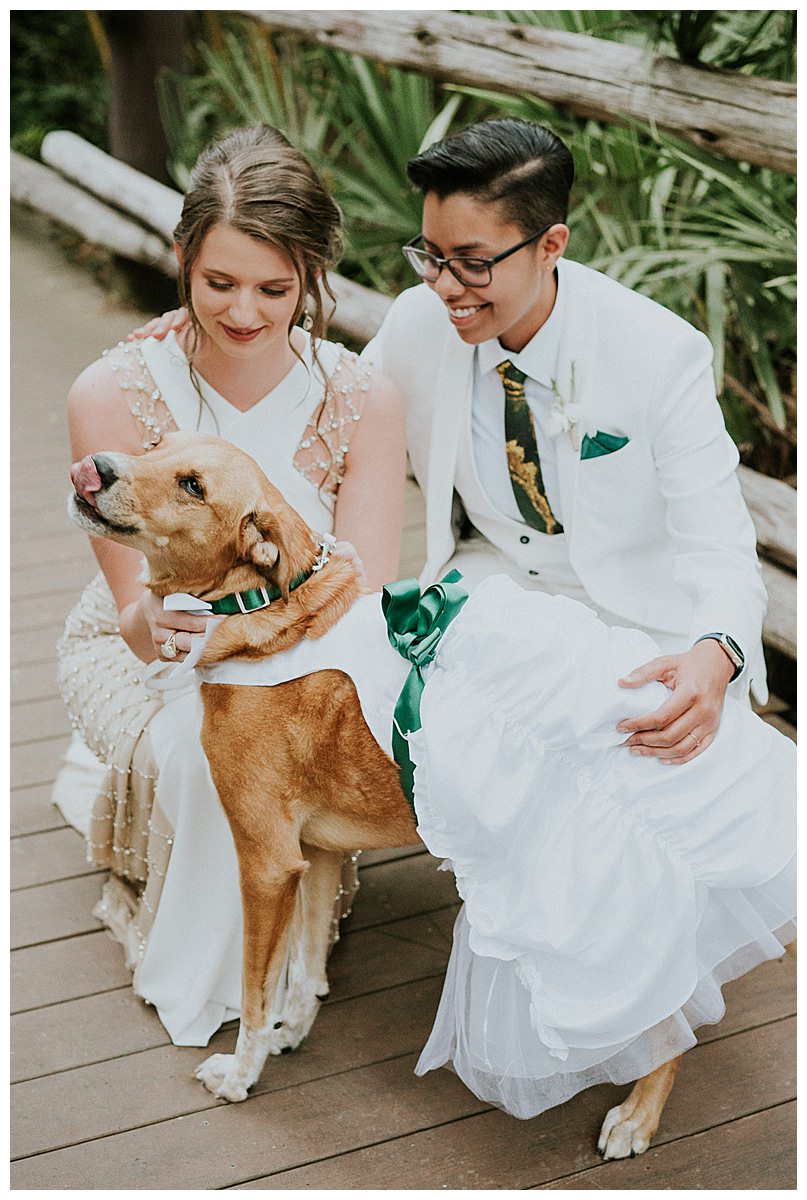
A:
[488,263]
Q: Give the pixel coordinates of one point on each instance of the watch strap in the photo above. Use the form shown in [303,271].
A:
[729,647]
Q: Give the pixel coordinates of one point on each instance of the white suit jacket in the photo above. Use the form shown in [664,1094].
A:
[656,531]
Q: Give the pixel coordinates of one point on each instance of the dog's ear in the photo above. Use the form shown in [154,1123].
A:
[278,543]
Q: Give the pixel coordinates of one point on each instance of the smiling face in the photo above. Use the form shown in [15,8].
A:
[519,299]
[245,294]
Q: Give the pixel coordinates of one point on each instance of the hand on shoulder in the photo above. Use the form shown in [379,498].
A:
[160,327]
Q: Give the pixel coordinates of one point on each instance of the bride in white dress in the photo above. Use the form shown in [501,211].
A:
[257,232]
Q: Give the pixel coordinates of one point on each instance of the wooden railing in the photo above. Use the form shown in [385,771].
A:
[112,205]
[742,116]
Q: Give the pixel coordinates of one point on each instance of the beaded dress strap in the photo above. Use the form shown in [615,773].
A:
[321,452]
[144,398]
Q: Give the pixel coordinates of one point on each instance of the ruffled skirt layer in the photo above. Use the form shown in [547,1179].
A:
[607,897]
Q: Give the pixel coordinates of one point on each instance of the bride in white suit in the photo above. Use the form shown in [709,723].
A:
[655,533]
[618,490]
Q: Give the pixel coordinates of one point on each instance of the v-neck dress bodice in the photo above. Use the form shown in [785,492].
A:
[274,429]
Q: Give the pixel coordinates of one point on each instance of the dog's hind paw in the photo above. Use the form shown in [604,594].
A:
[622,1136]
[221,1075]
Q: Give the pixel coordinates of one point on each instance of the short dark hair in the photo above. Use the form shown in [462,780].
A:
[522,166]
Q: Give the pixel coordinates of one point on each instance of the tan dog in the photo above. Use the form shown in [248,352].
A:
[209,523]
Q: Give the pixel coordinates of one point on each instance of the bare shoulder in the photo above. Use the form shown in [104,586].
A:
[98,414]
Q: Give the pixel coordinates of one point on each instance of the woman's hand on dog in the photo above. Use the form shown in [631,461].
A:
[686,724]
[161,625]
[160,327]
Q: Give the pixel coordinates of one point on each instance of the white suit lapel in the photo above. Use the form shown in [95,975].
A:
[573,384]
[452,399]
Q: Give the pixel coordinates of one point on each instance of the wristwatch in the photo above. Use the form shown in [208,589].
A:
[728,646]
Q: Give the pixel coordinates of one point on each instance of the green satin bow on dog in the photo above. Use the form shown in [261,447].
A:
[415,624]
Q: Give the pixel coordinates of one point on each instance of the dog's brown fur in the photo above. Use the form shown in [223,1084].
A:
[321,785]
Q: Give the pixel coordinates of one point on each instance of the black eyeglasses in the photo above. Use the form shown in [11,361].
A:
[472,272]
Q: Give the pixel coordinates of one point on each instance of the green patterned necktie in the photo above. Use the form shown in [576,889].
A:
[522,453]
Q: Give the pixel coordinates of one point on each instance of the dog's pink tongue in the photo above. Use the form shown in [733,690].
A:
[85,479]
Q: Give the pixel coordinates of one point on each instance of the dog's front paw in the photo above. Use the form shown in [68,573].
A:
[221,1075]
[624,1136]
[294,1024]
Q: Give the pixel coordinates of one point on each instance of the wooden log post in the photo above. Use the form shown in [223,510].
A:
[113,181]
[37,187]
[743,117]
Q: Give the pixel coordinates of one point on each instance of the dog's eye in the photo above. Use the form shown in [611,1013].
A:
[191,485]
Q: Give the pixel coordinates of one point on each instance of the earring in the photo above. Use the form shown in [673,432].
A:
[308,322]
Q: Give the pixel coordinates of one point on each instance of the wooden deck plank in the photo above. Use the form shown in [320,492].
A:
[225,1144]
[36,612]
[32,810]
[36,762]
[493,1150]
[402,888]
[97,1027]
[60,971]
[158,1084]
[81,1032]
[65,544]
[765,1142]
[384,1105]
[36,681]
[37,576]
[54,910]
[46,857]
[35,719]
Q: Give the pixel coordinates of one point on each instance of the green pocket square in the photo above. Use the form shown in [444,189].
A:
[601,443]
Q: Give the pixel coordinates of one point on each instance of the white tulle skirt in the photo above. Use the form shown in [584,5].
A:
[607,897]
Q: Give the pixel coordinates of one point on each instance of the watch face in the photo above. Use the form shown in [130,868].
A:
[732,645]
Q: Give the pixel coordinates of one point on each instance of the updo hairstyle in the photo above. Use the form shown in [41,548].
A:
[255,181]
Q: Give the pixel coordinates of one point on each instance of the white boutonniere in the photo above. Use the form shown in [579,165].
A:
[564,415]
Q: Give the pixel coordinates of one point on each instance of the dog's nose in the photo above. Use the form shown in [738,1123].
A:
[106,470]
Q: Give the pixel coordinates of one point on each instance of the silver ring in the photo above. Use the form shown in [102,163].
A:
[169,647]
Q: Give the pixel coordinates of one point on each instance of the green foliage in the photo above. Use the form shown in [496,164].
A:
[748,40]
[242,81]
[385,116]
[758,43]
[57,81]
[710,239]
[713,241]
[358,121]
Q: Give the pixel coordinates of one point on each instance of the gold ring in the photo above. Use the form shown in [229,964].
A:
[169,646]
[695,740]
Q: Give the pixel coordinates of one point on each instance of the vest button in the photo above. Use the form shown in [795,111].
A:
[524,539]
[534,572]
